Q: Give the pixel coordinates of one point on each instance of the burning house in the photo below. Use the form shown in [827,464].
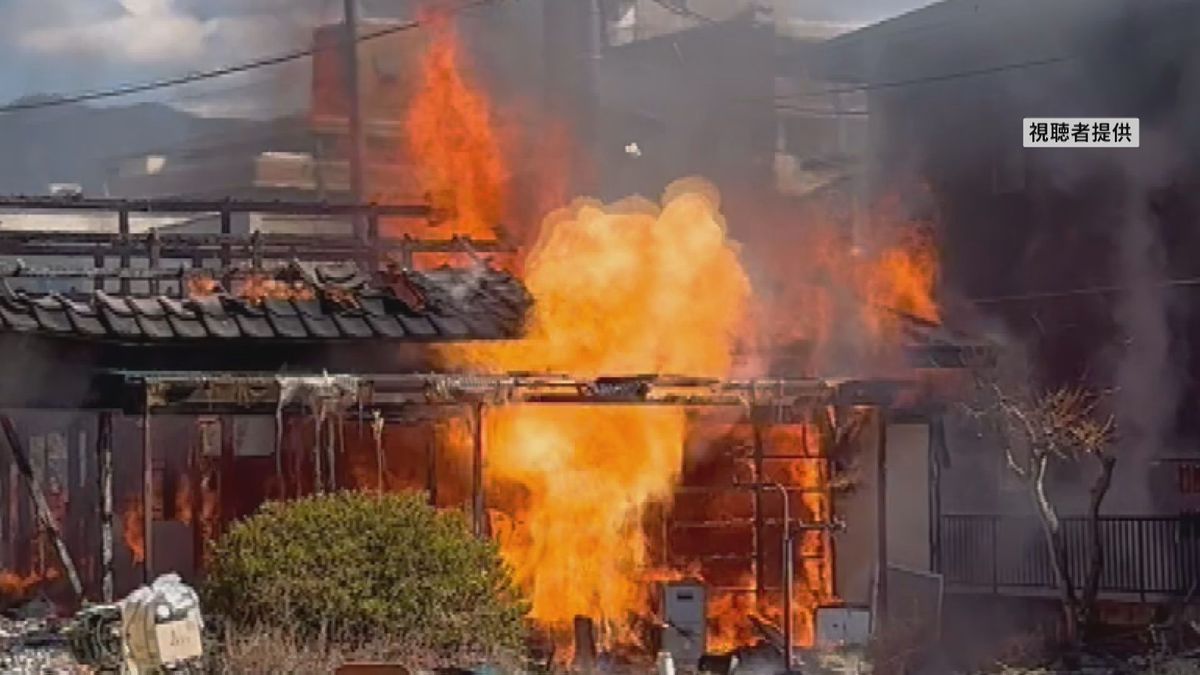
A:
[612,398]
[171,399]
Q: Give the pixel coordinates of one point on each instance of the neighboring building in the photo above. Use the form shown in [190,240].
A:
[946,89]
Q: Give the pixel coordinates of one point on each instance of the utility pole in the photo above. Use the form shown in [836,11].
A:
[354,107]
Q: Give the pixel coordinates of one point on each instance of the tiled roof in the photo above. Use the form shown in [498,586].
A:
[339,304]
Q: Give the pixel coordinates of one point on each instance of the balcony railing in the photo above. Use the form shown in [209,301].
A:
[1143,556]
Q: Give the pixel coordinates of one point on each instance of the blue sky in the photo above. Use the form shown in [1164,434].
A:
[67,46]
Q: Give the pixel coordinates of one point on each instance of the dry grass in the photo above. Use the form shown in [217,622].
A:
[901,650]
[271,651]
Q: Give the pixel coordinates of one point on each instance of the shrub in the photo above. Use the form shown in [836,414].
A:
[356,567]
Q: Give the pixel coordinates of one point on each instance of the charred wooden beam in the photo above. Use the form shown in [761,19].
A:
[478,505]
[104,463]
[147,499]
[124,245]
[209,391]
[585,645]
[41,506]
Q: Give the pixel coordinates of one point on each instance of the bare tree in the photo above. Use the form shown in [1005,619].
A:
[1036,429]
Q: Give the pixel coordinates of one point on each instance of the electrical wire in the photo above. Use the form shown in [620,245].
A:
[890,84]
[170,82]
[1074,292]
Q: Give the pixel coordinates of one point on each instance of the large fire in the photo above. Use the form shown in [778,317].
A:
[621,290]
[632,288]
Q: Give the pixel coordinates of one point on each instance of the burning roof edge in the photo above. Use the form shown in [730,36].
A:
[205,391]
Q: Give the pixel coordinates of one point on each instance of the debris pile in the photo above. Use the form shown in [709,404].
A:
[156,627]
[31,641]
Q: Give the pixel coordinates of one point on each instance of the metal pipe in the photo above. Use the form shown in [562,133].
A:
[787,570]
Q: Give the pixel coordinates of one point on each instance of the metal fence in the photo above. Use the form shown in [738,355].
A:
[1145,556]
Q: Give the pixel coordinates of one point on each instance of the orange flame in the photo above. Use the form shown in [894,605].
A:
[625,289]
[16,588]
[847,303]
[259,288]
[453,143]
[133,529]
[255,288]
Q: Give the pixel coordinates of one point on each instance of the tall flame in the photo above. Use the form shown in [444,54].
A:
[453,142]
[623,289]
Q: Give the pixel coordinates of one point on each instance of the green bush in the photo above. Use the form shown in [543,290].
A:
[358,567]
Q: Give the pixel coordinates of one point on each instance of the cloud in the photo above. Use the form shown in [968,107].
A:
[67,46]
[147,32]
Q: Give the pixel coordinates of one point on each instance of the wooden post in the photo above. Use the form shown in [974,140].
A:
[154,244]
[195,471]
[123,229]
[104,475]
[226,249]
[881,563]
[431,454]
[585,644]
[478,510]
[39,502]
[147,496]
[225,477]
[759,516]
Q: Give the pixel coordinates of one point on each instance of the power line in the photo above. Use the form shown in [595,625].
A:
[1095,290]
[165,83]
[890,84]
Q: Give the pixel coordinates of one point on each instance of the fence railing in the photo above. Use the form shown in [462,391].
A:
[1142,555]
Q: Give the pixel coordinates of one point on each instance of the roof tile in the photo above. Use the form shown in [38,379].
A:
[316,320]
[120,319]
[212,314]
[445,304]
[17,316]
[85,319]
[185,322]
[285,319]
[250,318]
